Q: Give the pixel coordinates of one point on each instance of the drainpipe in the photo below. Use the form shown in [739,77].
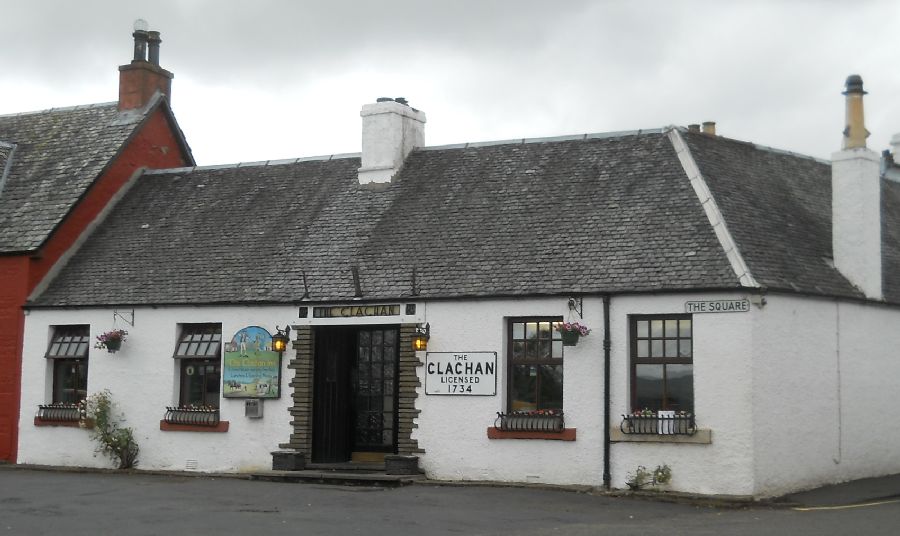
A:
[607,478]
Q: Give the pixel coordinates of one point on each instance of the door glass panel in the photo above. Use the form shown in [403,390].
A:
[374,390]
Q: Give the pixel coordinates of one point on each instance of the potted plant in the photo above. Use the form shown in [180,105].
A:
[111,340]
[571,332]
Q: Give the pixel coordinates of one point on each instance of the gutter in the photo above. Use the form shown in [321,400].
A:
[607,345]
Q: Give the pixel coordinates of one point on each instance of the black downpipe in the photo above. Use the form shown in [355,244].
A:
[607,345]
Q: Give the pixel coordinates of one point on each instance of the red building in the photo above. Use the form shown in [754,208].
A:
[59,169]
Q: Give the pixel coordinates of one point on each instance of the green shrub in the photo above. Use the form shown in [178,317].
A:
[114,440]
[642,478]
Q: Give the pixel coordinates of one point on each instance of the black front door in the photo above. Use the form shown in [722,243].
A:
[354,392]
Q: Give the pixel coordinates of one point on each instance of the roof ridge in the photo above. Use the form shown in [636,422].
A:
[62,109]
[260,163]
[567,137]
[7,164]
[515,141]
[760,147]
[789,153]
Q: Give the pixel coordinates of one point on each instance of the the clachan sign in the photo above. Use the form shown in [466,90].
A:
[461,373]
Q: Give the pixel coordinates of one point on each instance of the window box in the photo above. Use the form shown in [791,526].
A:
[663,423]
[59,413]
[192,416]
[530,422]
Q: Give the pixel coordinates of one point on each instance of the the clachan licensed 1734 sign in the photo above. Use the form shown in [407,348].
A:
[461,373]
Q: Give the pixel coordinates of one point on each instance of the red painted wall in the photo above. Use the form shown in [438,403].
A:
[155,146]
[13,291]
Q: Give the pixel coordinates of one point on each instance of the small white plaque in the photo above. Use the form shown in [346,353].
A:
[717,306]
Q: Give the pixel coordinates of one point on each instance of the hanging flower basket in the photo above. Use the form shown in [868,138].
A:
[111,340]
[570,338]
[571,332]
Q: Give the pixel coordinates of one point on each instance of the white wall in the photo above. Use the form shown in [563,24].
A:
[722,394]
[143,379]
[766,385]
[452,430]
[826,377]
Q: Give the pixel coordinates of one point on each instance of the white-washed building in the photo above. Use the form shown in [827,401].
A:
[752,313]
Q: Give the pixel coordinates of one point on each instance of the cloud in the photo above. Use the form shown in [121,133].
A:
[256,80]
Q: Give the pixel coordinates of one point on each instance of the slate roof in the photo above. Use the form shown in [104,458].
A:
[611,213]
[57,155]
[890,239]
[777,206]
[555,217]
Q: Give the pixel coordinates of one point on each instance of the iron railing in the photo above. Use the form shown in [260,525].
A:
[530,422]
[59,413]
[192,416]
[659,424]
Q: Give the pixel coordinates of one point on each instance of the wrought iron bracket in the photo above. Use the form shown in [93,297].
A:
[576,303]
[123,314]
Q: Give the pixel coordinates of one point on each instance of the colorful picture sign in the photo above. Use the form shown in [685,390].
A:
[251,368]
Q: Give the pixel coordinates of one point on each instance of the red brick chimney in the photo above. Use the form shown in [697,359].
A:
[143,77]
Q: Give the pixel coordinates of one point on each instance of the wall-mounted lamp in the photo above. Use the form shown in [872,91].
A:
[280,339]
[420,338]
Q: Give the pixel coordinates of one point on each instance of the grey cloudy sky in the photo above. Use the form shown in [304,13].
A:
[273,79]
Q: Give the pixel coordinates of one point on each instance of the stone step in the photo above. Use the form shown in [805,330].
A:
[347,467]
[344,478]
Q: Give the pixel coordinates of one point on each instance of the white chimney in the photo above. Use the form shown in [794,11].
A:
[391,129]
[895,147]
[856,200]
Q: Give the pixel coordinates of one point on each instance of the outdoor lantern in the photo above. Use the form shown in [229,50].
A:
[420,338]
[280,339]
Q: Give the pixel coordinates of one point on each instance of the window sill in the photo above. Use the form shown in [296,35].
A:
[702,437]
[568,434]
[222,427]
[88,423]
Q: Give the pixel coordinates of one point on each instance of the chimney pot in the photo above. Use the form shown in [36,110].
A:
[140,45]
[153,41]
[709,127]
[854,84]
[855,132]
[693,127]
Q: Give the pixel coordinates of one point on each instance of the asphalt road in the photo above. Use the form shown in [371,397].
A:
[62,503]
